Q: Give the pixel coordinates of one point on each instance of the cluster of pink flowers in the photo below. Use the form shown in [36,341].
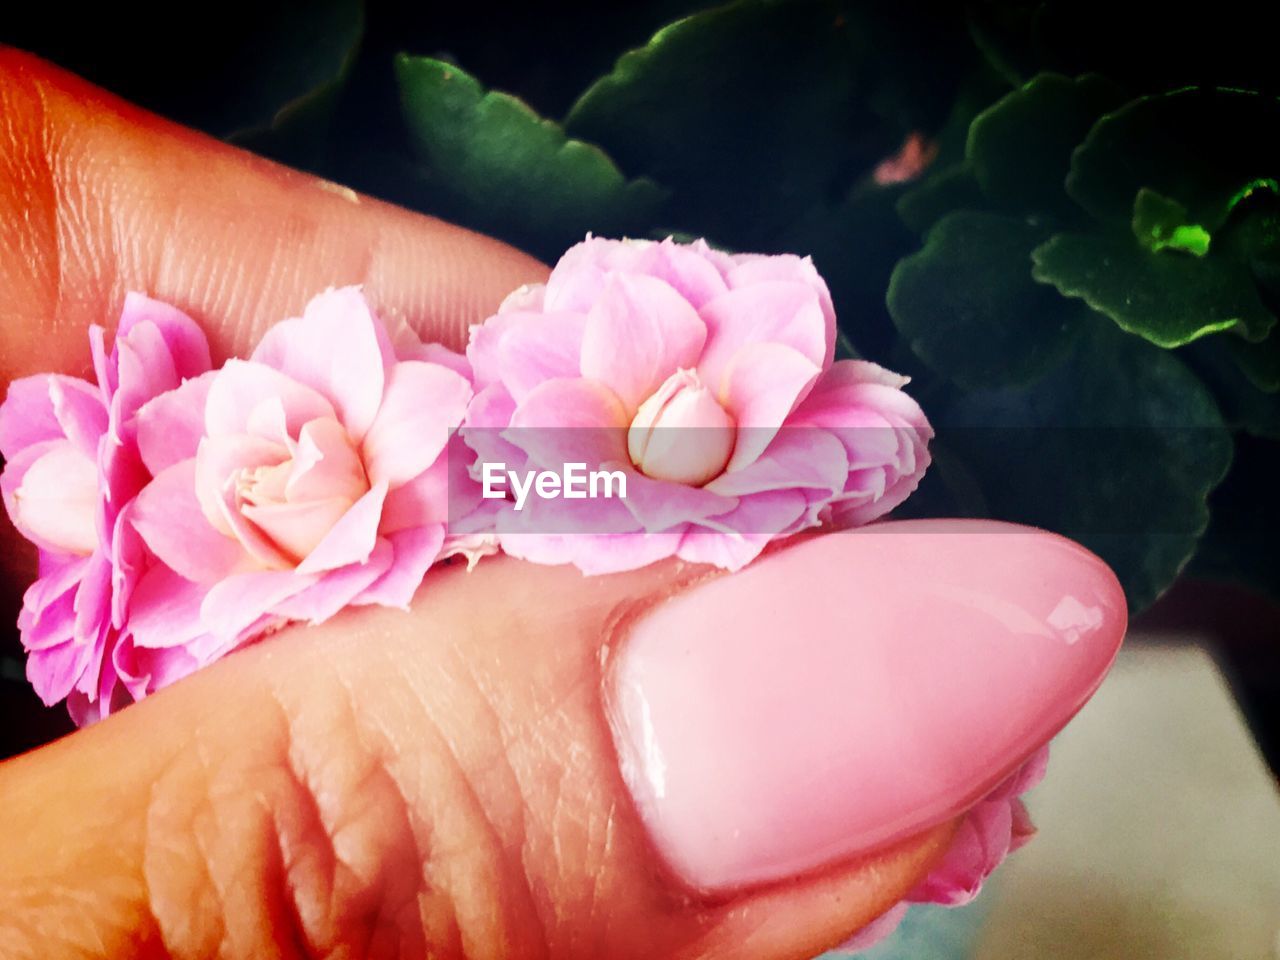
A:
[182,510]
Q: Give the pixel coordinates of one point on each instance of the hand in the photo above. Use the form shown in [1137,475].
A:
[446,783]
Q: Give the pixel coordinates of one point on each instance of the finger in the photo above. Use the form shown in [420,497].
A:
[653,764]
[99,197]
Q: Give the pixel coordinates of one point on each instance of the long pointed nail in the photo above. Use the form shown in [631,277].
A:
[853,690]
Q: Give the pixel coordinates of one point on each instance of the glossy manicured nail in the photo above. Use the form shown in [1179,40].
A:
[853,690]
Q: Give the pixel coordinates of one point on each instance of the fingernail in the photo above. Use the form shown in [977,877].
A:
[852,690]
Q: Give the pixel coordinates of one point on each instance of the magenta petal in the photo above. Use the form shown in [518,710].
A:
[762,385]
[352,539]
[240,387]
[337,588]
[26,416]
[423,501]
[440,355]
[978,847]
[48,614]
[336,349]
[750,269]
[659,505]
[422,405]
[484,342]
[540,347]
[785,313]
[170,425]
[184,340]
[144,368]
[570,421]
[80,412]
[165,609]
[93,601]
[236,603]
[414,552]
[53,672]
[639,332]
[689,269]
[797,457]
[51,491]
[169,518]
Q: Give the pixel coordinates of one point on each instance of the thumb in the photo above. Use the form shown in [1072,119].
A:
[663,763]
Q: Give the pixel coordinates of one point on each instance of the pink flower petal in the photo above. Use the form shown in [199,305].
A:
[423,501]
[733,540]
[796,458]
[169,518]
[80,413]
[184,340]
[53,673]
[235,604]
[48,608]
[414,552]
[54,502]
[782,312]
[93,601]
[336,348]
[337,588]
[422,405]
[325,465]
[241,386]
[27,416]
[440,355]
[219,459]
[570,421]
[170,425]
[352,538]
[639,332]
[165,610]
[296,529]
[540,347]
[761,386]
[658,505]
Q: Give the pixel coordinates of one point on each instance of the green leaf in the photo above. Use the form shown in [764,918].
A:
[1244,406]
[1161,224]
[1168,298]
[1020,147]
[940,192]
[1207,149]
[967,305]
[1118,448]
[750,111]
[499,166]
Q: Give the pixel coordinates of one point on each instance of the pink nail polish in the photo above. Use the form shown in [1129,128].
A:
[853,690]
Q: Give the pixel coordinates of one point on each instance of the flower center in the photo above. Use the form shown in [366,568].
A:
[681,433]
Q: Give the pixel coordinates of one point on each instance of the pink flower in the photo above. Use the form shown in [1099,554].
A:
[72,471]
[708,381]
[993,829]
[310,477]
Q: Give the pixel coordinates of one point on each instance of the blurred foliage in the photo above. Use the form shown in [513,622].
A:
[1084,283]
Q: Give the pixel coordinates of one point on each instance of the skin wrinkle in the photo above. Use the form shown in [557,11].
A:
[516,834]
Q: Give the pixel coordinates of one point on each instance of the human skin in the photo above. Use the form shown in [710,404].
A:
[386,785]
[445,782]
